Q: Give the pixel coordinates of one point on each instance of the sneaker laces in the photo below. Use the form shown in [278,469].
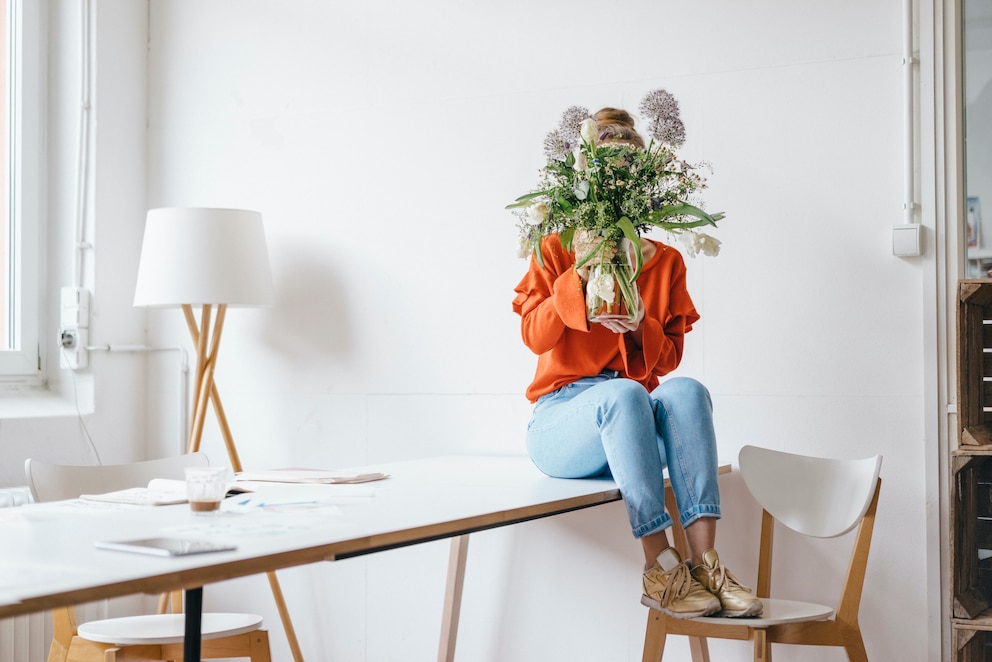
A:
[723,577]
[676,586]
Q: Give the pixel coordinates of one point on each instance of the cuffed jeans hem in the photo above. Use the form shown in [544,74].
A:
[694,513]
[657,525]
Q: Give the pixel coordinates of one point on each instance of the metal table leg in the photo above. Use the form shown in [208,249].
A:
[194,614]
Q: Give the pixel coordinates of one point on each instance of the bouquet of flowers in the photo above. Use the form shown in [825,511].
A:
[616,190]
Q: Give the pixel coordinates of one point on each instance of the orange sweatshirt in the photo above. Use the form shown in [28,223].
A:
[553,323]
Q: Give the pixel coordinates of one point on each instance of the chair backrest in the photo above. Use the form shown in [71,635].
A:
[52,482]
[811,495]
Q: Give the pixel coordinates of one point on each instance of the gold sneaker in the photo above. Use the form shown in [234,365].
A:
[736,600]
[670,587]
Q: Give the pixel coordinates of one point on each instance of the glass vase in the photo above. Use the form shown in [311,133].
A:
[611,293]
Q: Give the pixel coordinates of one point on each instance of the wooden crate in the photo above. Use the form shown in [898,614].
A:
[974,330]
[972,645]
[970,578]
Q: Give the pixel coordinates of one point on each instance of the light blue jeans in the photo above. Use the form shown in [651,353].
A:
[607,425]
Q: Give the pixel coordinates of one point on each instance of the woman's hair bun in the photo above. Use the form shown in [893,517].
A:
[617,125]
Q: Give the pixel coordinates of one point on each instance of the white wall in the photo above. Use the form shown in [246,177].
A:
[381,140]
[109,408]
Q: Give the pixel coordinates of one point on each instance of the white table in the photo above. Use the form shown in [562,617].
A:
[49,558]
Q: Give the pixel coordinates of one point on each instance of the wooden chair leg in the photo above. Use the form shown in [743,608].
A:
[133,654]
[64,629]
[654,637]
[762,649]
[699,649]
[855,649]
[259,647]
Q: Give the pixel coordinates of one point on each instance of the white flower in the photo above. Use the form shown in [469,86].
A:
[581,162]
[698,241]
[537,213]
[581,189]
[709,245]
[524,249]
[601,285]
[589,130]
[690,241]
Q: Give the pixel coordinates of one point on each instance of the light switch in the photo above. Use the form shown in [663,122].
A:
[907,240]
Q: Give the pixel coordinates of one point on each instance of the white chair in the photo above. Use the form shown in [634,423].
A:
[147,637]
[816,497]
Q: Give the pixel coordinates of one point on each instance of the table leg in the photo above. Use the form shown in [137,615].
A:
[194,613]
[698,646]
[453,598]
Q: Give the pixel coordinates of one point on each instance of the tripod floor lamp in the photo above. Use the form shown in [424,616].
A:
[211,259]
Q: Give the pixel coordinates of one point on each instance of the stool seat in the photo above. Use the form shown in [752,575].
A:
[165,628]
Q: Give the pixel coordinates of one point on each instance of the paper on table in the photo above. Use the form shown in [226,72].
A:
[321,476]
[160,492]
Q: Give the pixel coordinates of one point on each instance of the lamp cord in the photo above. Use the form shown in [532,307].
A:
[183,388]
[79,414]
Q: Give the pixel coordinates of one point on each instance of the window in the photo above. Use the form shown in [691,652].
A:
[21,160]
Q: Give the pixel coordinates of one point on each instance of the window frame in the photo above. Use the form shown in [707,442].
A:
[22,364]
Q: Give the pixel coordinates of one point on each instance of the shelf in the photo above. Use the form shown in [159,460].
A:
[974,361]
[972,638]
[981,622]
[971,466]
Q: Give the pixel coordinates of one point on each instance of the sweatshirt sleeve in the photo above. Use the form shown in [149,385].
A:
[669,315]
[549,299]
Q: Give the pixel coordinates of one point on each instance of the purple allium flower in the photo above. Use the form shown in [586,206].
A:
[661,110]
[555,147]
[571,120]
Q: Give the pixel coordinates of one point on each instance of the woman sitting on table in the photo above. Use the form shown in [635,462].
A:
[600,410]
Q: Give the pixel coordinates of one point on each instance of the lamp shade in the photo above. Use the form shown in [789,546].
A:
[196,256]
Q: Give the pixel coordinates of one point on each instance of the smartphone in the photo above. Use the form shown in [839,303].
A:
[165,546]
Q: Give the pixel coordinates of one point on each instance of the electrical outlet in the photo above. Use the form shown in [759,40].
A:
[74,334]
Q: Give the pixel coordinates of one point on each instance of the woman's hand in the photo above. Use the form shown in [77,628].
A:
[585,243]
[627,326]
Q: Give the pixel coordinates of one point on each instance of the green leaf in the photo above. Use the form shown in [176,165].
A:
[627,290]
[599,249]
[630,232]
[566,236]
[565,205]
[684,209]
[538,254]
[570,160]
[524,200]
